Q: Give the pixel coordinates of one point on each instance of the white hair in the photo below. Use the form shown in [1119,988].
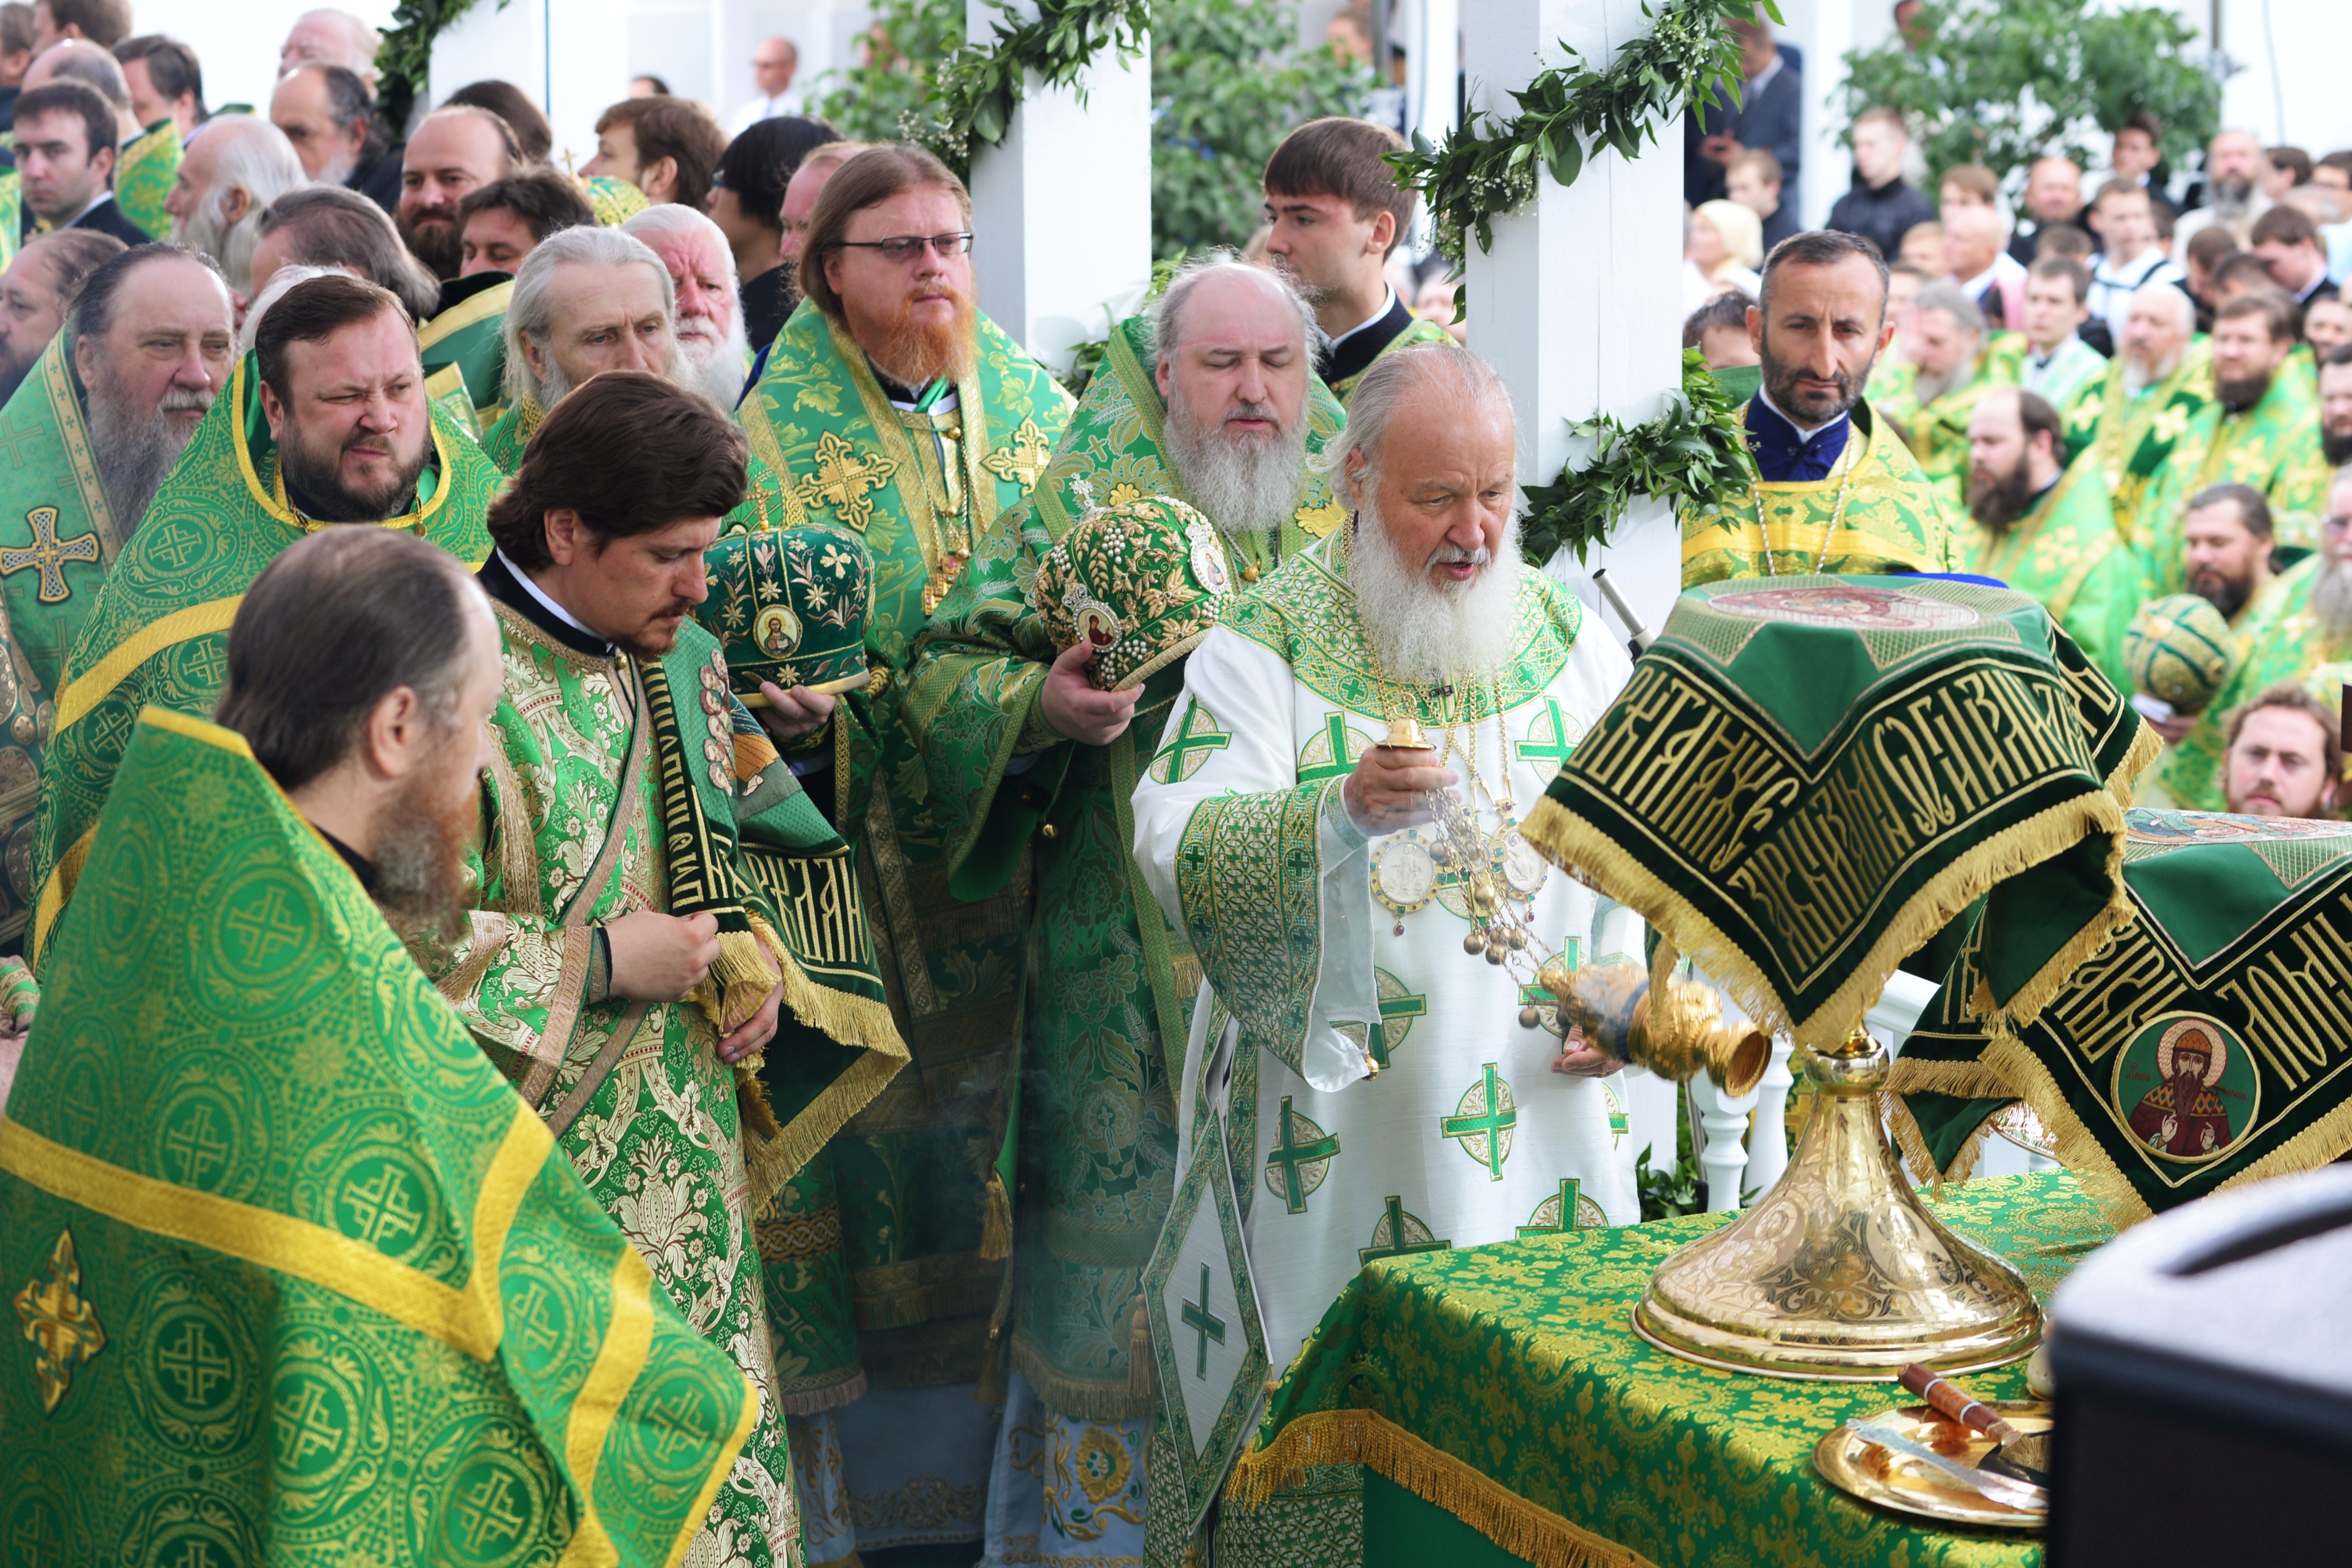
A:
[530,310]
[2184,309]
[284,279]
[256,158]
[1410,377]
[360,42]
[1169,312]
[715,364]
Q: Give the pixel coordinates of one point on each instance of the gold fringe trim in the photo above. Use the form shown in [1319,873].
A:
[1525,1531]
[996,1221]
[1569,840]
[2025,1004]
[1963,1163]
[2147,748]
[2118,1201]
[1962,1079]
[1910,1141]
[751,1104]
[817,1401]
[1081,1400]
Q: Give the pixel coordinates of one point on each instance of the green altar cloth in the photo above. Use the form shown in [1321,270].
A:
[1500,1390]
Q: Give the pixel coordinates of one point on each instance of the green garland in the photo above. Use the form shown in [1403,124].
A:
[405,56]
[980,85]
[1570,113]
[1694,453]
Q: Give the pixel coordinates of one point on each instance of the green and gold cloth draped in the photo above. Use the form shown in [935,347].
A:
[910,1177]
[614,201]
[298,1279]
[1884,511]
[463,350]
[58,536]
[1420,332]
[144,173]
[1500,1386]
[160,633]
[764,504]
[1937,431]
[12,214]
[2130,436]
[2210,1046]
[1807,778]
[2279,637]
[1115,981]
[2272,446]
[2066,554]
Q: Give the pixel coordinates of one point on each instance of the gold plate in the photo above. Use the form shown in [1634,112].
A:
[842,687]
[1854,1465]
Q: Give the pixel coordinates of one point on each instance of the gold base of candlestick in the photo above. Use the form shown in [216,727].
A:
[1840,1272]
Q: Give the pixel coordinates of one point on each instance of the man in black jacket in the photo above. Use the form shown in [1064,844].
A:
[65,150]
[1766,111]
[1883,205]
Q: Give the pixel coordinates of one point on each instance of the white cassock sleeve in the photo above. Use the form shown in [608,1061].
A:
[1266,876]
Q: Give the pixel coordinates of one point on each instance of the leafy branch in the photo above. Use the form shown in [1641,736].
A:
[405,56]
[1569,113]
[980,85]
[1693,454]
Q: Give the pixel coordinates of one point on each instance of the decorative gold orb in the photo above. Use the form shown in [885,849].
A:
[1529,1018]
[1473,943]
[1516,935]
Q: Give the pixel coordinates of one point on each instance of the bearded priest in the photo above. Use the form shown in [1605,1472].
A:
[1360,1087]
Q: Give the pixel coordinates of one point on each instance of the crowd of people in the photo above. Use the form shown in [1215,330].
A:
[567,1035]
[2121,388]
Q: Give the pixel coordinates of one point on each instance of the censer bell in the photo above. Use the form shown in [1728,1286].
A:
[1840,1272]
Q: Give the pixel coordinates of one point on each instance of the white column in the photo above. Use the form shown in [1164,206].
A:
[574,61]
[1062,209]
[1768,1134]
[1824,30]
[1433,63]
[1578,304]
[1723,1156]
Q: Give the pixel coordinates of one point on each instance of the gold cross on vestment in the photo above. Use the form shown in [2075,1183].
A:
[62,1326]
[1022,460]
[49,555]
[842,479]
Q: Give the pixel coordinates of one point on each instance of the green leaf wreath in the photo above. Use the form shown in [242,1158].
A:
[1572,111]
[1694,453]
[405,55]
[980,85]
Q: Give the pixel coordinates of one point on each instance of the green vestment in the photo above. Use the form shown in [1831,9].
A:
[144,172]
[907,1188]
[2065,553]
[2279,638]
[1421,332]
[299,1280]
[2131,438]
[763,505]
[463,350]
[12,214]
[1937,431]
[159,631]
[58,533]
[1884,512]
[580,826]
[1115,981]
[2272,446]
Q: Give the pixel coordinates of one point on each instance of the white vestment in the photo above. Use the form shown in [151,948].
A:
[1463,1135]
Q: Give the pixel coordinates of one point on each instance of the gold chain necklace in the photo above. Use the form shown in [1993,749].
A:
[1848,461]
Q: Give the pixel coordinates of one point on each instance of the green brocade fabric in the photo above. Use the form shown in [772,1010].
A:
[1413,336]
[2272,446]
[59,536]
[1938,432]
[12,214]
[1114,994]
[2279,637]
[1884,511]
[160,632]
[764,504]
[1808,777]
[2130,439]
[463,350]
[299,1280]
[915,1177]
[1452,1374]
[144,174]
[2236,952]
[2066,554]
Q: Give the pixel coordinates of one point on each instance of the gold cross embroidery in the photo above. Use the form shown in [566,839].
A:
[49,555]
[1023,460]
[62,1325]
[842,479]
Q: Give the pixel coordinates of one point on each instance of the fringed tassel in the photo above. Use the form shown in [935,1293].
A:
[996,1221]
[1140,1381]
[751,1098]
[739,981]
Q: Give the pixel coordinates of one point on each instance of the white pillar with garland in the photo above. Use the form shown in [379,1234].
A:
[1062,207]
[571,60]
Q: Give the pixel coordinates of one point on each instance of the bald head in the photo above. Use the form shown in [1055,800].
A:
[328,37]
[79,60]
[1973,239]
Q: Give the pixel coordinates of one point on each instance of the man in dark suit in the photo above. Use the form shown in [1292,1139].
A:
[1766,111]
[65,150]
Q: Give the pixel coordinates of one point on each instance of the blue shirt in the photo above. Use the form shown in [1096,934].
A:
[1785,457]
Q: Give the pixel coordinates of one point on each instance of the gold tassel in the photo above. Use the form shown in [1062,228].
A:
[751,1098]
[996,1222]
[1140,1381]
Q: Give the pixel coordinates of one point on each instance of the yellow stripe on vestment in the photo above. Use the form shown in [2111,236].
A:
[84,690]
[491,301]
[269,1240]
[620,1359]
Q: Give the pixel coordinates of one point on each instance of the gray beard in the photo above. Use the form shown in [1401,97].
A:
[2331,599]
[2137,379]
[1929,388]
[716,370]
[135,450]
[1247,489]
[1425,633]
[231,245]
[2231,199]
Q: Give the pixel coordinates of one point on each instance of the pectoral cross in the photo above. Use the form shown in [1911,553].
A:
[1206,1323]
[49,555]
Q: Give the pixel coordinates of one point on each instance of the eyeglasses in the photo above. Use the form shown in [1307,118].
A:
[904,248]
